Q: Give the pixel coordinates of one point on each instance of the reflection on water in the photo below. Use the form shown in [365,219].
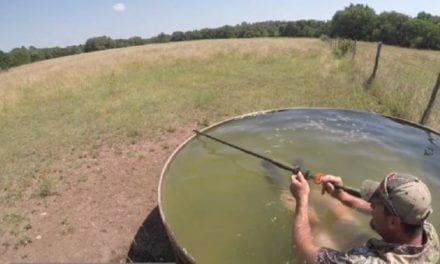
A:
[226,206]
[431,146]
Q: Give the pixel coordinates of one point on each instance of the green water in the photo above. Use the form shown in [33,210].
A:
[224,207]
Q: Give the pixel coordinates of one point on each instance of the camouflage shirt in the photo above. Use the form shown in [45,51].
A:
[376,251]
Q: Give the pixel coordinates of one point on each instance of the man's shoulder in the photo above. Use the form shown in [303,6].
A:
[431,233]
[432,246]
[376,251]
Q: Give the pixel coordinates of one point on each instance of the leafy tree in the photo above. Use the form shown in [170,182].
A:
[19,56]
[250,32]
[423,34]
[99,43]
[5,61]
[392,28]
[121,43]
[305,28]
[193,35]
[260,29]
[75,49]
[225,32]
[207,33]
[36,54]
[315,28]
[355,22]
[161,38]
[428,17]
[136,41]
[178,36]
[47,53]
[291,30]
[273,28]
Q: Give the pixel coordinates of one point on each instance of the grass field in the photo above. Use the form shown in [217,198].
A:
[51,109]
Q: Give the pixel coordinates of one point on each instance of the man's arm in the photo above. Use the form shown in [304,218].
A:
[301,227]
[328,182]
[354,202]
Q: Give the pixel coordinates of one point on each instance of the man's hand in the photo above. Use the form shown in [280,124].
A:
[328,186]
[328,183]
[299,187]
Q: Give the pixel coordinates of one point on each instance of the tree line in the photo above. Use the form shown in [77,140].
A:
[359,22]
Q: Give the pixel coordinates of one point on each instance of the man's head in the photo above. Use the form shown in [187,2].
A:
[403,195]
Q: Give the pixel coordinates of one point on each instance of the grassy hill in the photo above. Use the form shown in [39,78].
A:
[52,110]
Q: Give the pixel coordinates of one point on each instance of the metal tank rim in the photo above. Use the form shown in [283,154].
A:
[182,255]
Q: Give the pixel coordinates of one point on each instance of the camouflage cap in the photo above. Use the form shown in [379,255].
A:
[403,194]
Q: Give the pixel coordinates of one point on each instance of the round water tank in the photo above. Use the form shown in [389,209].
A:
[220,205]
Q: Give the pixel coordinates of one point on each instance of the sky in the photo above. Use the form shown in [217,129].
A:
[50,23]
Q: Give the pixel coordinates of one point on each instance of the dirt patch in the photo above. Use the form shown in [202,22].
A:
[102,207]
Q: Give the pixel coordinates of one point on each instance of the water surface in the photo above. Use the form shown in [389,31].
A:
[223,206]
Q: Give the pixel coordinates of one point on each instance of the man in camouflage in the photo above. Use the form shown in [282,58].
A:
[399,206]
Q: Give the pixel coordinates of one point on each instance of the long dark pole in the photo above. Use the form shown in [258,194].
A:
[274,162]
[281,165]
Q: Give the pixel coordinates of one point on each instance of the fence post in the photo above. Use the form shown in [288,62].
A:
[354,50]
[376,65]
[428,109]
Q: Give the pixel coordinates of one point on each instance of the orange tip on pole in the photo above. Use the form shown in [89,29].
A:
[317,177]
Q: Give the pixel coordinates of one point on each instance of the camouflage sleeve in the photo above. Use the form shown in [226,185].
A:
[328,255]
[355,255]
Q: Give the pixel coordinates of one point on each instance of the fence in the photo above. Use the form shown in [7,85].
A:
[405,81]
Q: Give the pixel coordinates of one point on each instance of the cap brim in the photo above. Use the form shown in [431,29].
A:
[370,191]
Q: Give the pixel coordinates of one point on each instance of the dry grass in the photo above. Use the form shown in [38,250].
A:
[77,71]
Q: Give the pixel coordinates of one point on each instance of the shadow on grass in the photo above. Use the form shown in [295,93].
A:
[151,243]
